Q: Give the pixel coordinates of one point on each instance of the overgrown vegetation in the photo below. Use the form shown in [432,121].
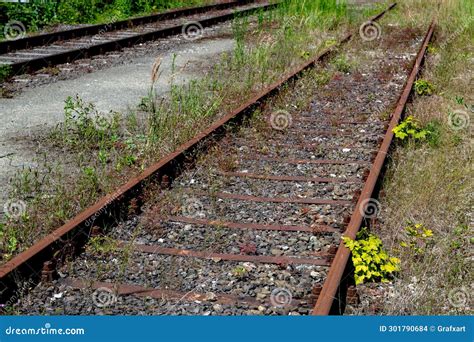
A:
[97,151]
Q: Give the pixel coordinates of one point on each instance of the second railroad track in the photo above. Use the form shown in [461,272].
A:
[45,50]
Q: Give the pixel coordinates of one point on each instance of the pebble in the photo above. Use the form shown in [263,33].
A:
[276,252]
[211,296]
[217,308]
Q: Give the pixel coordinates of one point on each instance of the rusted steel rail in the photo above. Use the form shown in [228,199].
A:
[331,298]
[75,233]
[89,30]
[13,53]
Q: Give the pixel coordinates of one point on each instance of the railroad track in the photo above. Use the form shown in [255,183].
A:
[45,50]
[253,226]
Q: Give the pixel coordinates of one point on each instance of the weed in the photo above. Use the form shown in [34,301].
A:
[248,248]
[424,88]
[432,49]
[50,70]
[410,128]
[90,178]
[84,127]
[418,238]
[342,64]
[371,261]
[434,129]
[323,77]
[239,272]
[8,242]
[385,115]
[5,72]
[329,43]
[228,163]
[459,100]
[101,245]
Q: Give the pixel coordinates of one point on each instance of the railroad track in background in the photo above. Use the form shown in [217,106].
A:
[45,50]
[253,226]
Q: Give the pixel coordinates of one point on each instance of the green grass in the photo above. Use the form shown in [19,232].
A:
[5,72]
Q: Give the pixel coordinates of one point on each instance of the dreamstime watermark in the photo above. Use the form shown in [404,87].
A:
[46,330]
[281,297]
[103,297]
[112,198]
[290,20]
[193,207]
[17,294]
[107,26]
[14,30]
[458,119]
[192,30]
[369,208]
[14,208]
[456,33]
[370,30]
[459,297]
[280,120]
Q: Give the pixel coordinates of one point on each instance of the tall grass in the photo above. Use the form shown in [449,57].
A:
[432,184]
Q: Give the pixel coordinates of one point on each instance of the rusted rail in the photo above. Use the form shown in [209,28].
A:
[331,298]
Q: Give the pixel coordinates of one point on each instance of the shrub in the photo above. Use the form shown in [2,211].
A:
[418,237]
[410,128]
[5,71]
[424,88]
[371,261]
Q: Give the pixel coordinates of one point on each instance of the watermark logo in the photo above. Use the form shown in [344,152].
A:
[280,120]
[459,297]
[47,329]
[14,208]
[192,30]
[193,207]
[370,30]
[14,30]
[281,297]
[103,297]
[111,199]
[369,208]
[458,120]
